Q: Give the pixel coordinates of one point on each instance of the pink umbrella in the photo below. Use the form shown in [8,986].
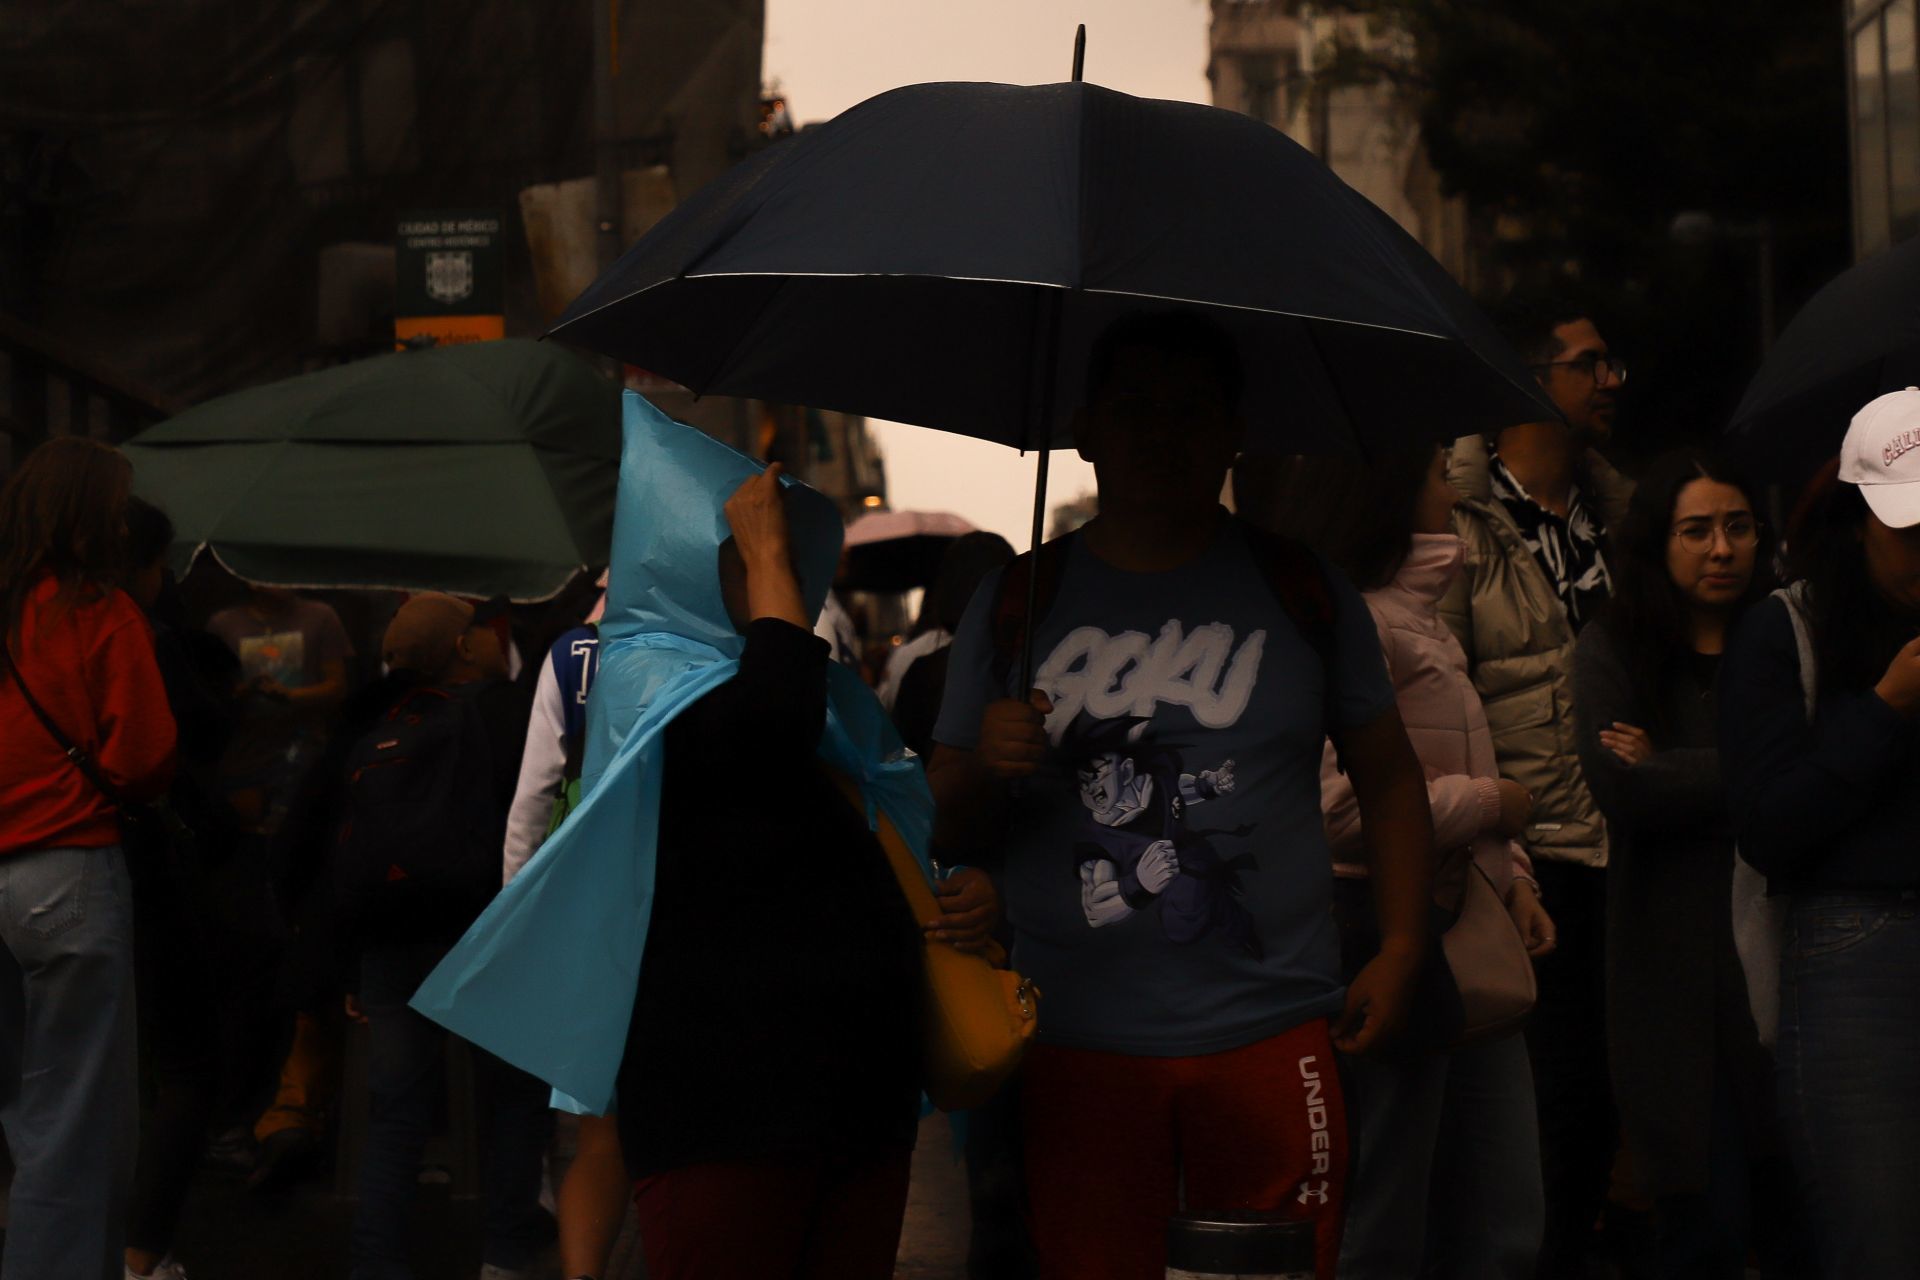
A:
[899,550]
[886,526]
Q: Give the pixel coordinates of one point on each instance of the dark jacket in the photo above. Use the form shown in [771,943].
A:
[1823,807]
[779,1007]
[1677,1013]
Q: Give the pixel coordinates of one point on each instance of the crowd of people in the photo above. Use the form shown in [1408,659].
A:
[1473,853]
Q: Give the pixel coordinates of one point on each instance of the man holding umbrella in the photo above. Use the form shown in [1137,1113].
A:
[1152,805]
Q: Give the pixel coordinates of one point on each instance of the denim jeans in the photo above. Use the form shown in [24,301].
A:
[1445,1178]
[69,1084]
[405,1072]
[1849,1075]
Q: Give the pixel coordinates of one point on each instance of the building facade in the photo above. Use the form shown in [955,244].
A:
[1281,61]
[1884,80]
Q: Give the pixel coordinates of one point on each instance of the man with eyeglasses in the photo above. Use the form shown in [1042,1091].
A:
[1536,502]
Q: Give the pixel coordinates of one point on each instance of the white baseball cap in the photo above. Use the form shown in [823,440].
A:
[1881,454]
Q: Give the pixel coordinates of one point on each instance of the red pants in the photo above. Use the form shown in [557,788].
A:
[1110,1136]
[824,1218]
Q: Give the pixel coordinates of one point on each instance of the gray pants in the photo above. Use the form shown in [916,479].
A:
[69,1085]
[1445,1172]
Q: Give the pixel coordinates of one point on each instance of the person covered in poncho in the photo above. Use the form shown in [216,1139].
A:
[715,935]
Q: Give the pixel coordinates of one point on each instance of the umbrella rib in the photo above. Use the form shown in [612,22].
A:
[221,560]
[1045,284]
[1339,394]
[713,373]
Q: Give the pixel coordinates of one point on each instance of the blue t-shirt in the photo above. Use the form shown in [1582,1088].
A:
[1167,875]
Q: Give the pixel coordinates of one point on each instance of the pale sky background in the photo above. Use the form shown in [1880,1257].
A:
[828,55]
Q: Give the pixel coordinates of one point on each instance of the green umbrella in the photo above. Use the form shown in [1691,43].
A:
[481,469]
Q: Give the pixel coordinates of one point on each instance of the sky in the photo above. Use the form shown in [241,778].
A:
[828,55]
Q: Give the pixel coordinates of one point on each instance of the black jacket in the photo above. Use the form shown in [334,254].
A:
[779,1009]
[1829,806]
[1677,1012]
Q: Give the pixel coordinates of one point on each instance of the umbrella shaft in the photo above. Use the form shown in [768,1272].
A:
[1043,454]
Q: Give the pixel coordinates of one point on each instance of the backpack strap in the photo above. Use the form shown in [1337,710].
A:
[1010,629]
[1298,580]
[1799,613]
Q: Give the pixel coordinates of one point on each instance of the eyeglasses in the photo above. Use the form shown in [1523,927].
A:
[1599,368]
[1698,536]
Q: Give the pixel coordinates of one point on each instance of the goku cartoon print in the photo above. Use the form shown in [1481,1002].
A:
[1142,846]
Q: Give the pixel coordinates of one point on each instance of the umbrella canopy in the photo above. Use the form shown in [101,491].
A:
[899,550]
[481,469]
[946,254]
[1857,338]
[887,526]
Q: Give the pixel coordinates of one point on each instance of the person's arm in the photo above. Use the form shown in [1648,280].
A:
[982,740]
[1675,789]
[543,764]
[329,691]
[1456,607]
[1398,835]
[1396,826]
[1791,786]
[134,725]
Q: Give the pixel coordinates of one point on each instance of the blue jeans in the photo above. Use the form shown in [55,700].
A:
[69,1083]
[1445,1175]
[1849,1075]
[405,1072]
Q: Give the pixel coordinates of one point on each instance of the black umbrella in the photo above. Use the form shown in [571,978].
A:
[946,254]
[1857,338]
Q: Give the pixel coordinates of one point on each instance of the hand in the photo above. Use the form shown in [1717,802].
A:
[758,518]
[969,909]
[1158,866]
[1516,809]
[1531,919]
[1900,687]
[1221,779]
[1013,735]
[1100,899]
[355,1012]
[268,687]
[1630,744]
[1376,999]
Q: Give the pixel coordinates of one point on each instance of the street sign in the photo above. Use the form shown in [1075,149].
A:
[447,277]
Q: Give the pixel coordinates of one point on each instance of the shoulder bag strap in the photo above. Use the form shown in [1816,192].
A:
[68,747]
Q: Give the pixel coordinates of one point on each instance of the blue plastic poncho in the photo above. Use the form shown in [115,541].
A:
[546,976]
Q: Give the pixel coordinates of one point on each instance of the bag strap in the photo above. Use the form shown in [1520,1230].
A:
[68,747]
[919,894]
[1795,599]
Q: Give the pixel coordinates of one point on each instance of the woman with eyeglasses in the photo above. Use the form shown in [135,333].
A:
[1689,1074]
[1820,730]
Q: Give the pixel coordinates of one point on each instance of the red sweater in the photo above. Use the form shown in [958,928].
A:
[91,667]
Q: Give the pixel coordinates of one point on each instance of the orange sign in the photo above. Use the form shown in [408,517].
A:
[448,330]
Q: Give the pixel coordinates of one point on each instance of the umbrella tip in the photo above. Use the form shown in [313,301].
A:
[1079,52]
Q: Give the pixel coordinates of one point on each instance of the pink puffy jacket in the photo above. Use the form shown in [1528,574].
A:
[1445,723]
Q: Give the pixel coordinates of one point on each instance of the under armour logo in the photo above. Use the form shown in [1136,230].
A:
[1314,1192]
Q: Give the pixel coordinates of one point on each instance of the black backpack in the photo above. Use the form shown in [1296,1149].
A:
[419,842]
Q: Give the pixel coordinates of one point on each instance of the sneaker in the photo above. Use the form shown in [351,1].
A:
[232,1151]
[168,1268]
[284,1158]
